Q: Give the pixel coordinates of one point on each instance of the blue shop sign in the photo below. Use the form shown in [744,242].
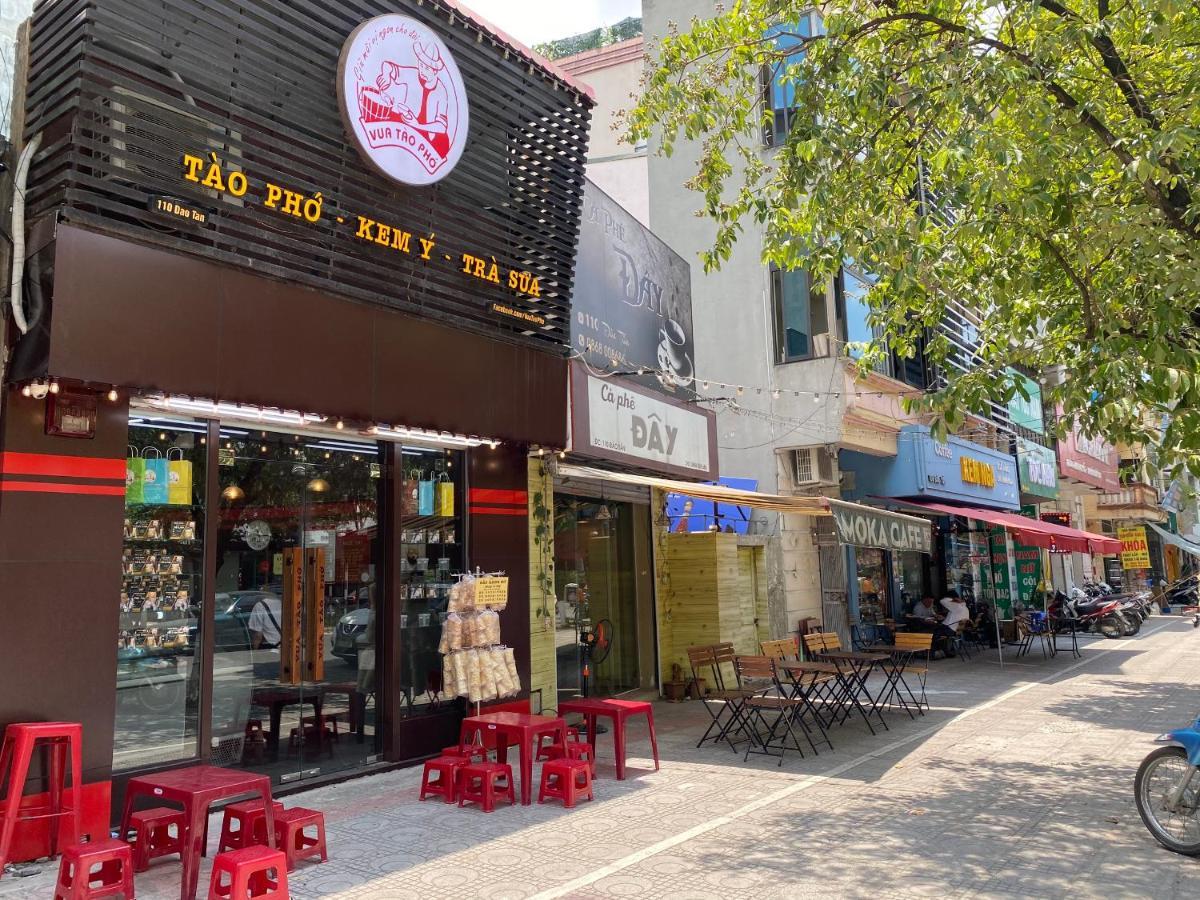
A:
[953,469]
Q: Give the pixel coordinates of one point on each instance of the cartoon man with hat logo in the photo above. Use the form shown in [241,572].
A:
[431,116]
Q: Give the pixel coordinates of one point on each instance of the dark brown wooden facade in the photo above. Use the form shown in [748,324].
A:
[121,89]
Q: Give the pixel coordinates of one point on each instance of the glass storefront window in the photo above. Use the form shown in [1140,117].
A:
[871,571]
[159,634]
[595,584]
[434,552]
[296,601]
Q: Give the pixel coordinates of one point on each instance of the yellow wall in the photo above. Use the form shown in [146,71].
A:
[543,666]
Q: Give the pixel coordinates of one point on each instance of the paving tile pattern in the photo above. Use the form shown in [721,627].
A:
[1018,783]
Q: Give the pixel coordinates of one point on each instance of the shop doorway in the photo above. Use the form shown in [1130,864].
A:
[296,587]
[601,581]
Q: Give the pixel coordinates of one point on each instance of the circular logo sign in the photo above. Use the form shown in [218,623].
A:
[403,100]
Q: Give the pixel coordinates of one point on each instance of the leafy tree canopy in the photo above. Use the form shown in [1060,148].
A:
[1061,140]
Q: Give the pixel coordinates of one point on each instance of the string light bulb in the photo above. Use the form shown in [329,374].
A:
[54,388]
[340,425]
[816,398]
[775,394]
[27,391]
[112,396]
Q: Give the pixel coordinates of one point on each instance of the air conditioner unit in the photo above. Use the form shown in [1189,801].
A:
[813,466]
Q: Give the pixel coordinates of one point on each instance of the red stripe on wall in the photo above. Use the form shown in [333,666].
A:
[50,487]
[62,466]
[489,495]
[497,511]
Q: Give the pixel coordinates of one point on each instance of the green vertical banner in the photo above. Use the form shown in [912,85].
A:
[998,543]
[1029,574]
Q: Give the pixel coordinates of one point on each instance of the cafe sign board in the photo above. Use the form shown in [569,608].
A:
[861,526]
[614,419]
[403,100]
[1135,549]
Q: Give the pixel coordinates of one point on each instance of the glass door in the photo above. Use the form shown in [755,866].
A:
[294,636]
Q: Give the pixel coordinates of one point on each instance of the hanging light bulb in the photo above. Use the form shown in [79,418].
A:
[113,395]
[775,394]
[705,385]
[816,398]
[233,493]
[54,388]
[741,390]
[340,425]
[318,485]
[27,391]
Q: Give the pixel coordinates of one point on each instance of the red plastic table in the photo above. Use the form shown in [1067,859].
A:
[195,789]
[518,728]
[618,711]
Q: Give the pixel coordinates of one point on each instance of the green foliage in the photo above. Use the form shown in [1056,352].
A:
[1061,136]
[627,28]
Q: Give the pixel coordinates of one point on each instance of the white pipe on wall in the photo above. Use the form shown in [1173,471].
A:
[20,177]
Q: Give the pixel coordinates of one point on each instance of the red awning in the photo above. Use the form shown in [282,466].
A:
[1031,531]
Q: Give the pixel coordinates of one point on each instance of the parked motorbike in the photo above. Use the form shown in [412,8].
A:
[1167,790]
[1100,616]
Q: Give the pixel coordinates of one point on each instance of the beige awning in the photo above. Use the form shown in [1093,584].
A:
[862,526]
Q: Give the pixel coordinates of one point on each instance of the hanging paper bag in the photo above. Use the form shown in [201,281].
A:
[409,500]
[425,498]
[135,471]
[155,480]
[445,496]
[179,478]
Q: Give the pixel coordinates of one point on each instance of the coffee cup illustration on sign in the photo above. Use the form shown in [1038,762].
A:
[673,360]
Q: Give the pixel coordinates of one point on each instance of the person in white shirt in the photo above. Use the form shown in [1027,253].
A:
[957,615]
[264,623]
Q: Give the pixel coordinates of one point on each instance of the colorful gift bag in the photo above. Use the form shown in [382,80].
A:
[135,471]
[155,481]
[409,499]
[445,496]
[179,478]
[425,498]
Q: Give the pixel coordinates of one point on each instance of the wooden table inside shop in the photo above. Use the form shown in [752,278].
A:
[619,711]
[195,789]
[519,728]
[276,696]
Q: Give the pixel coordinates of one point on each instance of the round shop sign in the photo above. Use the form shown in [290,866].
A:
[402,99]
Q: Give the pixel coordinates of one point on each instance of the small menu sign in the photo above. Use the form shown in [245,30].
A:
[492,592]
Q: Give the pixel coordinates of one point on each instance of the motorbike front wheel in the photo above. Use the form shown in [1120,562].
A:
[1157,778]
[1132,624]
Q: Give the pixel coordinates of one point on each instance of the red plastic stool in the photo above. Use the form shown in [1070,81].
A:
[251,818]
[292,838]
[252,871]
[20,740]
[482,783]
[467,751]
[553,750]
[153,837]
[567,780]
[100,869]
[447,769]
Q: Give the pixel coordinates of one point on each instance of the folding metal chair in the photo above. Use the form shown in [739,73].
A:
[774,712]
[723,706]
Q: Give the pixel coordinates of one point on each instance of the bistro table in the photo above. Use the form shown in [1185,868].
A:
[195,789]
[519,728]
[618,711]
[858,667]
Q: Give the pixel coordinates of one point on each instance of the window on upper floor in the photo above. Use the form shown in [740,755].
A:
[854,327]
[799,313]
[779,93]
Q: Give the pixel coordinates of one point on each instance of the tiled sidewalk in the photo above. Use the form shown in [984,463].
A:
[1018,783]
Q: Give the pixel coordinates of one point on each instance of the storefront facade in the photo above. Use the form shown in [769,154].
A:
[968,555]
[1088,469]
[328,301]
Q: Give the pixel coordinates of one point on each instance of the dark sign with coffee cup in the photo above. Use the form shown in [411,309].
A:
[632,307]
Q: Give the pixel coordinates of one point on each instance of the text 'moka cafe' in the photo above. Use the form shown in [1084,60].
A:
[296,320]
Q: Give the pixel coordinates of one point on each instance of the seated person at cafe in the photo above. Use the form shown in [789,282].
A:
[922,617]
[957,617]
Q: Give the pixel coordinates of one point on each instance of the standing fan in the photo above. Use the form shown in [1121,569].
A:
[595,643]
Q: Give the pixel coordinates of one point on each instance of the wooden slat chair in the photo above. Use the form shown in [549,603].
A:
[723,706]
[781,649]
[913,652]
[777,711]
[818,643]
